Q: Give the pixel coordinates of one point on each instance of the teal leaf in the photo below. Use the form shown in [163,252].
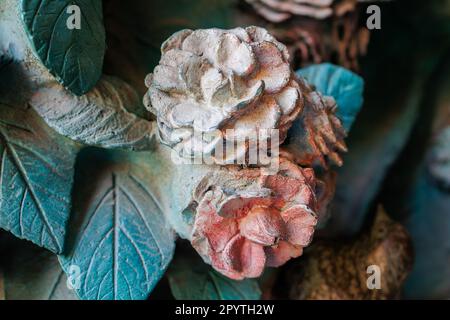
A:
[31,273]
[36,177]
[191,279]
[121,242]
[343,85]
[73,56]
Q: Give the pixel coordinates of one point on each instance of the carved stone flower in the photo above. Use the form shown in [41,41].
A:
[210,81]
[318,136]
[251,220]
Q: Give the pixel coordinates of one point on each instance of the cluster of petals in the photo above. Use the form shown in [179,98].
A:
[262,222]
[214,85]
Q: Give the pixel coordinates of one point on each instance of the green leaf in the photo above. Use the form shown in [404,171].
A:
[119,238]
[74,56]
[343,85]
[191,279]
[31,273]
[36,176]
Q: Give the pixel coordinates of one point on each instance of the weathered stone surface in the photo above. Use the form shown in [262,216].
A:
[210,81]
[74,56]
[36,176]
[282,10]
[120,240]
[317,136]
[103,117]
[246,220]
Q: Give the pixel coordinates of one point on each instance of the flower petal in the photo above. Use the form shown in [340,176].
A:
[175,41]
[262,225]
[240,259]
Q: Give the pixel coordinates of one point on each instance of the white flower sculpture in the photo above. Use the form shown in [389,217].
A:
[210,81]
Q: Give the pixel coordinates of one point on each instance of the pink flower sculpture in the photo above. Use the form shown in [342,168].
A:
[242,234]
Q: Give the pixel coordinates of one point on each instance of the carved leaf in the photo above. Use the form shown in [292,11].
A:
[343,85]
[36,176]
[103,117]
[2,285]
[74,56]
[31,273]
[120,242]
[191,279]
[134,48]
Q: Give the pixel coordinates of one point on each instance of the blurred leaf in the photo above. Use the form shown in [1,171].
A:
[428,223]
[4,60]
[417,187]
[36,178]
[191,279]
[74,56]
[343,85]
[31,273]
[374,146]
[120,240]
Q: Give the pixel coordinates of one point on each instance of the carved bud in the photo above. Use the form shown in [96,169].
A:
[213,86]
[246,220]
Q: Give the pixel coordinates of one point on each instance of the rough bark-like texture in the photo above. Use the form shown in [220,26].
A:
[211,81]
[339,271]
